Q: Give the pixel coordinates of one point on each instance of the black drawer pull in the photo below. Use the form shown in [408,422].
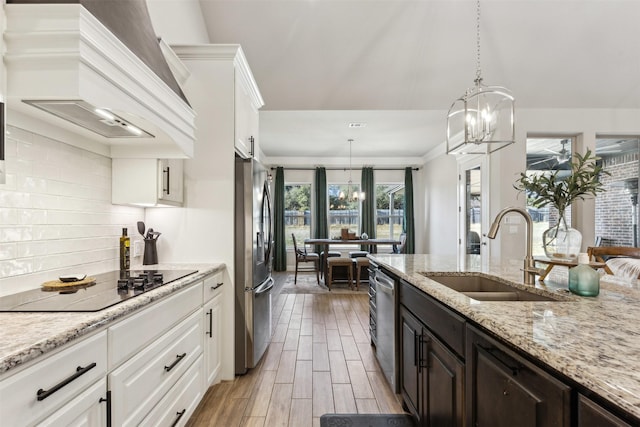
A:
[179,414]
[179,357]
[213,288]
[43,394]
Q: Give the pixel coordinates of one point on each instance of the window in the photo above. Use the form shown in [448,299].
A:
[297,213]
[544,156]
[617,208]
[343,213]
[389,210]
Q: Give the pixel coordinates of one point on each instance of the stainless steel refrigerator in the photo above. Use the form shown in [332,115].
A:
[253,254]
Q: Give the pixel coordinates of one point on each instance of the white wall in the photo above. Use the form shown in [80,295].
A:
[178,21]
[436,231]
[56,215]
[203,230]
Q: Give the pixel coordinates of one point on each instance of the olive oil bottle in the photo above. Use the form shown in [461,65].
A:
[125,247]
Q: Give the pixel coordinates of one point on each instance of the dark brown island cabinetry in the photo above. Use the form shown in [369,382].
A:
[454,373]
[504,389]
[590,414]
[432,375]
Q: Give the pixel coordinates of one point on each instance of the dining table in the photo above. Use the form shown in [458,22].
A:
[371,243]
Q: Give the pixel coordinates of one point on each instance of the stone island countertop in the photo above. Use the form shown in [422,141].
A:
[592,341]
[26,336]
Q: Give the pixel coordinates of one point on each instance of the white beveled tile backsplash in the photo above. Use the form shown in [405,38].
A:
[56,215]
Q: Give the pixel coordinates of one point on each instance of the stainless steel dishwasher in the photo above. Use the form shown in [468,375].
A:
[385,291]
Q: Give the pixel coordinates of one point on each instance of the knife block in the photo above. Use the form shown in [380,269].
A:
[150,252]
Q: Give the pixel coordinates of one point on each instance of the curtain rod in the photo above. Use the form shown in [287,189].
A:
[344,169]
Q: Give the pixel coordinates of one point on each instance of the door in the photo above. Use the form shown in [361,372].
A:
[213,333]
[444,396]
[262,230]
[261,322]
[473,211]
[410,336]
[503,389]
[267,227]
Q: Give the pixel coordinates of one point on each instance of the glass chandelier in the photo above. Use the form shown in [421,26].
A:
[355,195]
[481,121]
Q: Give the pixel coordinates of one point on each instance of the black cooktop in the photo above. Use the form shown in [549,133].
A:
[109,289]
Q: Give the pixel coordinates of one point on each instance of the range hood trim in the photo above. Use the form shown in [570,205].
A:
[61,51]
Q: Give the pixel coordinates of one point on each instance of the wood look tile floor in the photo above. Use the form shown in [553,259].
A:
[319,361]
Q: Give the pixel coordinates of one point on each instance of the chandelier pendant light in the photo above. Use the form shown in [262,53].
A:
[481,121]
[355,195]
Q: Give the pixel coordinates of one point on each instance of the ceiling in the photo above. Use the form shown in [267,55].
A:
[398,65]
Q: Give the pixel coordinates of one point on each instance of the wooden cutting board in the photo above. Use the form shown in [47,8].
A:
[55,285]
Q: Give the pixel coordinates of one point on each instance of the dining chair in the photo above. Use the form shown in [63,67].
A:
[399,249]
[304,257]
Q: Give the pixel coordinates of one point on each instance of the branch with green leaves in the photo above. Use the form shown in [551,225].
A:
[584,181]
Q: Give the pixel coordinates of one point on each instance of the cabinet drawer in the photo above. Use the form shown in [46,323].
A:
[61,377]
[444,323]
[212,285]
[138,385]
[85,410]
[129,336]
[176,407]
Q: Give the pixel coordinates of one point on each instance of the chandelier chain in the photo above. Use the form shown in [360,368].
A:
[478,71]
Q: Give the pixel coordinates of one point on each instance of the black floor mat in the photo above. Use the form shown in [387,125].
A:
[367,420]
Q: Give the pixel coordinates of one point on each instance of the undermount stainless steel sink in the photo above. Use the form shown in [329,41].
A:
[482,288]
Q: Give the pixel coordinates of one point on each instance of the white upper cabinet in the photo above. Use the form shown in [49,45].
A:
[147,182]
[247,119]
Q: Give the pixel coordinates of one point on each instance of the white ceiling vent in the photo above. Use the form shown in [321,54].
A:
[97,120]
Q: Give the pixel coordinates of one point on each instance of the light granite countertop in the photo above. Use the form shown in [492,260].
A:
[26,336]
[593,341]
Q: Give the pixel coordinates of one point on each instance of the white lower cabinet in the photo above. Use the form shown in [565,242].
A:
[154,366]
[88,409]
[41,389]
[212,336]
[181,401]
[140,383]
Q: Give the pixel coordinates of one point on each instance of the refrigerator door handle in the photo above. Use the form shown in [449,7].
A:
[265,287]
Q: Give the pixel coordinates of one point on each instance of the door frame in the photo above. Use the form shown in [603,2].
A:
[466,163]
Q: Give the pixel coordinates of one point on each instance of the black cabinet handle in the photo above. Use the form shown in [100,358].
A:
[179,414]
[43,394]
[416,348]
[179,357]
[217,285]
[424,359]
[509,363]
[210,314]
[108,401]
[168,172]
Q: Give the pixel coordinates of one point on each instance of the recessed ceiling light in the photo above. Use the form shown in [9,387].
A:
[357,125]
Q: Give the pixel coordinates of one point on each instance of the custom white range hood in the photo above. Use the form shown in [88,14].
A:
[70,78]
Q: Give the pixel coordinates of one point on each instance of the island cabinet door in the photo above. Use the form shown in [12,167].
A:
[504,389]
[443,401]
[410,341]
[590,414]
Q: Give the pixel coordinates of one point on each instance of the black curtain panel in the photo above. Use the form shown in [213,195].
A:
[409,220]
[280,255]
[320,226]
